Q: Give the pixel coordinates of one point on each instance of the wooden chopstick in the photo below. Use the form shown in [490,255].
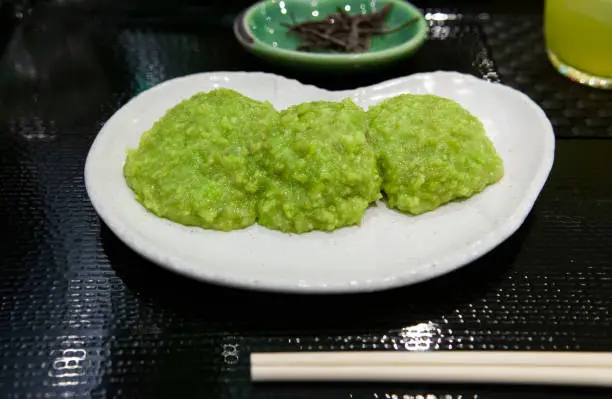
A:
[367,358]
[559,368]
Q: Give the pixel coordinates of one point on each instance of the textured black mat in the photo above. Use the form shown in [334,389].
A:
[81,314]
[518,49]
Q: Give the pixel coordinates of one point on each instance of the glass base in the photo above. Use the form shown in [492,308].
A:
[577,75]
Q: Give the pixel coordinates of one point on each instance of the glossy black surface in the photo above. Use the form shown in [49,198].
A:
[81,314]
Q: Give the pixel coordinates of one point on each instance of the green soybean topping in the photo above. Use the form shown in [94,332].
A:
[430,151]
[196,165]
[223,161]
[322,172]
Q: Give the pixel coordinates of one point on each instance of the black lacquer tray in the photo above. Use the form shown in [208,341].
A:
[82,315]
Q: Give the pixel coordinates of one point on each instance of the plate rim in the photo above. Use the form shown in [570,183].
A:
[447,263]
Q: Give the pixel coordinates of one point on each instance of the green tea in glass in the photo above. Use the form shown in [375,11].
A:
[579,40]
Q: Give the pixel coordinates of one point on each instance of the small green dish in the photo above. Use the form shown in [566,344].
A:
[261,30]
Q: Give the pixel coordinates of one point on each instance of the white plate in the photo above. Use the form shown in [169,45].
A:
[388,250]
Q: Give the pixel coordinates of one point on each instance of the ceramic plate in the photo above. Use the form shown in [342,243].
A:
[388,250]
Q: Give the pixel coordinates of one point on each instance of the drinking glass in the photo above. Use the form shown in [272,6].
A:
[579,40]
